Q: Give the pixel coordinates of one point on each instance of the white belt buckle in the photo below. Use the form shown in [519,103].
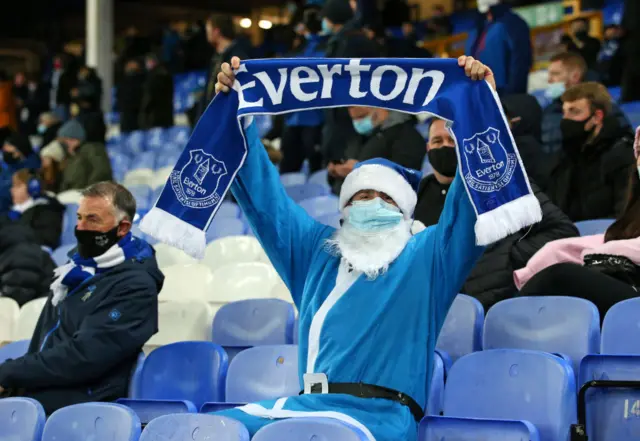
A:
[313,379]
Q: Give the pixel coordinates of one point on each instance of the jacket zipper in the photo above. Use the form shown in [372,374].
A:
[46,337]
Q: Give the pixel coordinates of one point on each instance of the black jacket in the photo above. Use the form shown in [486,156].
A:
[130,100]
[86,348]
[46,222]
[491,280]
[157,99]
[25,269]
[50,134]
[590,182]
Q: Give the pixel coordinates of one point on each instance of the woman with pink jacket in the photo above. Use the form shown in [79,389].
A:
[603,268]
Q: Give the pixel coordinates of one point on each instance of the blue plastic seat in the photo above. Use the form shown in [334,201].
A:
[306,191]
[179,135]
[321,205]
[14,350]
[255,322]
[225,226]
[228,209]
[155,138]
[564,325]
[520,385]
[144,160]
[461,332]
[133,143]
[320,177]
[92,421]
[295,178]
[148,410]
[142,195]
[198,427]
[21,419]
[437,428]
[332,219]
[316,429]
[436,392]
[592,227]
[618,323]
[60,255]
[69,221]
[192,370]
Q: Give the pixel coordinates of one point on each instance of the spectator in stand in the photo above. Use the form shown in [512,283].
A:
[501,40]
[37,210]
[439,25]
[35,102]
[566,70]
[8,116]
[20,91]
[92,119]
[631,75]
[89,87]
[52,156]
[130,93]
[157,96]
[580,42]
[491,280]
[611,57]
[589,176]
[17,153]
[63,80]
[86,345]
[87,162]
[48,127]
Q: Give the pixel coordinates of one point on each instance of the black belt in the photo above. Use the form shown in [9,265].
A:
[363,390]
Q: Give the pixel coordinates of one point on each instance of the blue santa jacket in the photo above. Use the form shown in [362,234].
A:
[506,49]
[31,162]
[380,331]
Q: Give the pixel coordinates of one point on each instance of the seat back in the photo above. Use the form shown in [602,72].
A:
[316,429]
[321,205]
[228,209]
[190,370]
[92,421]
[321,177]
[194,426]
[280,291]
[254,322]
[566,325]
[295,178]
[225,227]
[21,419]
[232,249]
[61,255]
[592,227]
[331,219]
[241,281]
[437,428]
[28,318]
[619,320]
[435,393]
[182,320]
[14,350]
[183,282]
[263,373]
[305,191]
[9,311]
[69,197]
[514,385]
[461,332]
[168,256]
[612,414]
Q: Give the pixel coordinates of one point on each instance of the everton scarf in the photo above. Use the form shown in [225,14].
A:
[488,159]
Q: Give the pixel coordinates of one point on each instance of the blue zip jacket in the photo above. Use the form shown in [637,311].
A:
[86,348]
[31,162]
[506,49]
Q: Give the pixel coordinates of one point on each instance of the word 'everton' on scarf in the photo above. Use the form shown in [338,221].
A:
[494,177]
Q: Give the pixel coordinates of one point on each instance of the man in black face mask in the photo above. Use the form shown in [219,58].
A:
[589,176]
[103,307]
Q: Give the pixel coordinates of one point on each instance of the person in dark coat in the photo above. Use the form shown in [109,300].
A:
[48,126]
[17,153]
[611,58]
[89,87]
[157,96]
[579,41]
[589,176]
[63,81]
[94,324]
[130,93]
[91,119]
[35,209]
[491,280]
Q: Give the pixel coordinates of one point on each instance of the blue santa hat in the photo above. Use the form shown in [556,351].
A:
[379,174]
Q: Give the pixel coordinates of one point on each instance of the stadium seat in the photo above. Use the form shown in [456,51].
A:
[437,428]
[182,320]
[320,177]
[612,414]
[69,197]
[21,419]
[179,134]
[591,227]
[316,429]
[306,191]
[333,219]
[232,249]
[184,282]
[280,291]
[14,350]
[242,281]
[290,179]
[197,427]
[148,410]
[461,332]
[621,319]
[520,385]
[141,176]
[194,371]
[561,325]
[435,393]
[28,318]
[61,255]
[254,322]
[224,227]
[155,138]
[92,421]
[168,256]
[135,375]
[228,209]
[9,311]
[143,161]
[321,205]
[160,177]
[142,195]
[134,142]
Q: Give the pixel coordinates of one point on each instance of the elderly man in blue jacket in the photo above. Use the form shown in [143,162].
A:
[102,308]
[502,41]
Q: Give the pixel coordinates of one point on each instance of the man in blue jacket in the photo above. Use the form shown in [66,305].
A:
[17,154]
[102,308]
[502,41]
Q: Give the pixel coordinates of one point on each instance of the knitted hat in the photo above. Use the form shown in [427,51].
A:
[72,129]
[337,11]
[400,183]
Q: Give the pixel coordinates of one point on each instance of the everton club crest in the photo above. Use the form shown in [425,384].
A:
[196,184]
[489,166]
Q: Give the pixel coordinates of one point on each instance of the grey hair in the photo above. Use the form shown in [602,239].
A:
[124,204]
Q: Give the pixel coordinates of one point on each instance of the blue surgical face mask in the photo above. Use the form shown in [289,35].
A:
[42,128]
[555,90]
[374,215]
[326,28]
[364,126]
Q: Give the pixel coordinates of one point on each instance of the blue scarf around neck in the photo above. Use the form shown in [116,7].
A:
[488,159]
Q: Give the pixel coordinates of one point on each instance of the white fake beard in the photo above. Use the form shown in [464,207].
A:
[370,253]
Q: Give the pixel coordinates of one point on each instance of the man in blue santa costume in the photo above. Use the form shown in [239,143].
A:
[371,295]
